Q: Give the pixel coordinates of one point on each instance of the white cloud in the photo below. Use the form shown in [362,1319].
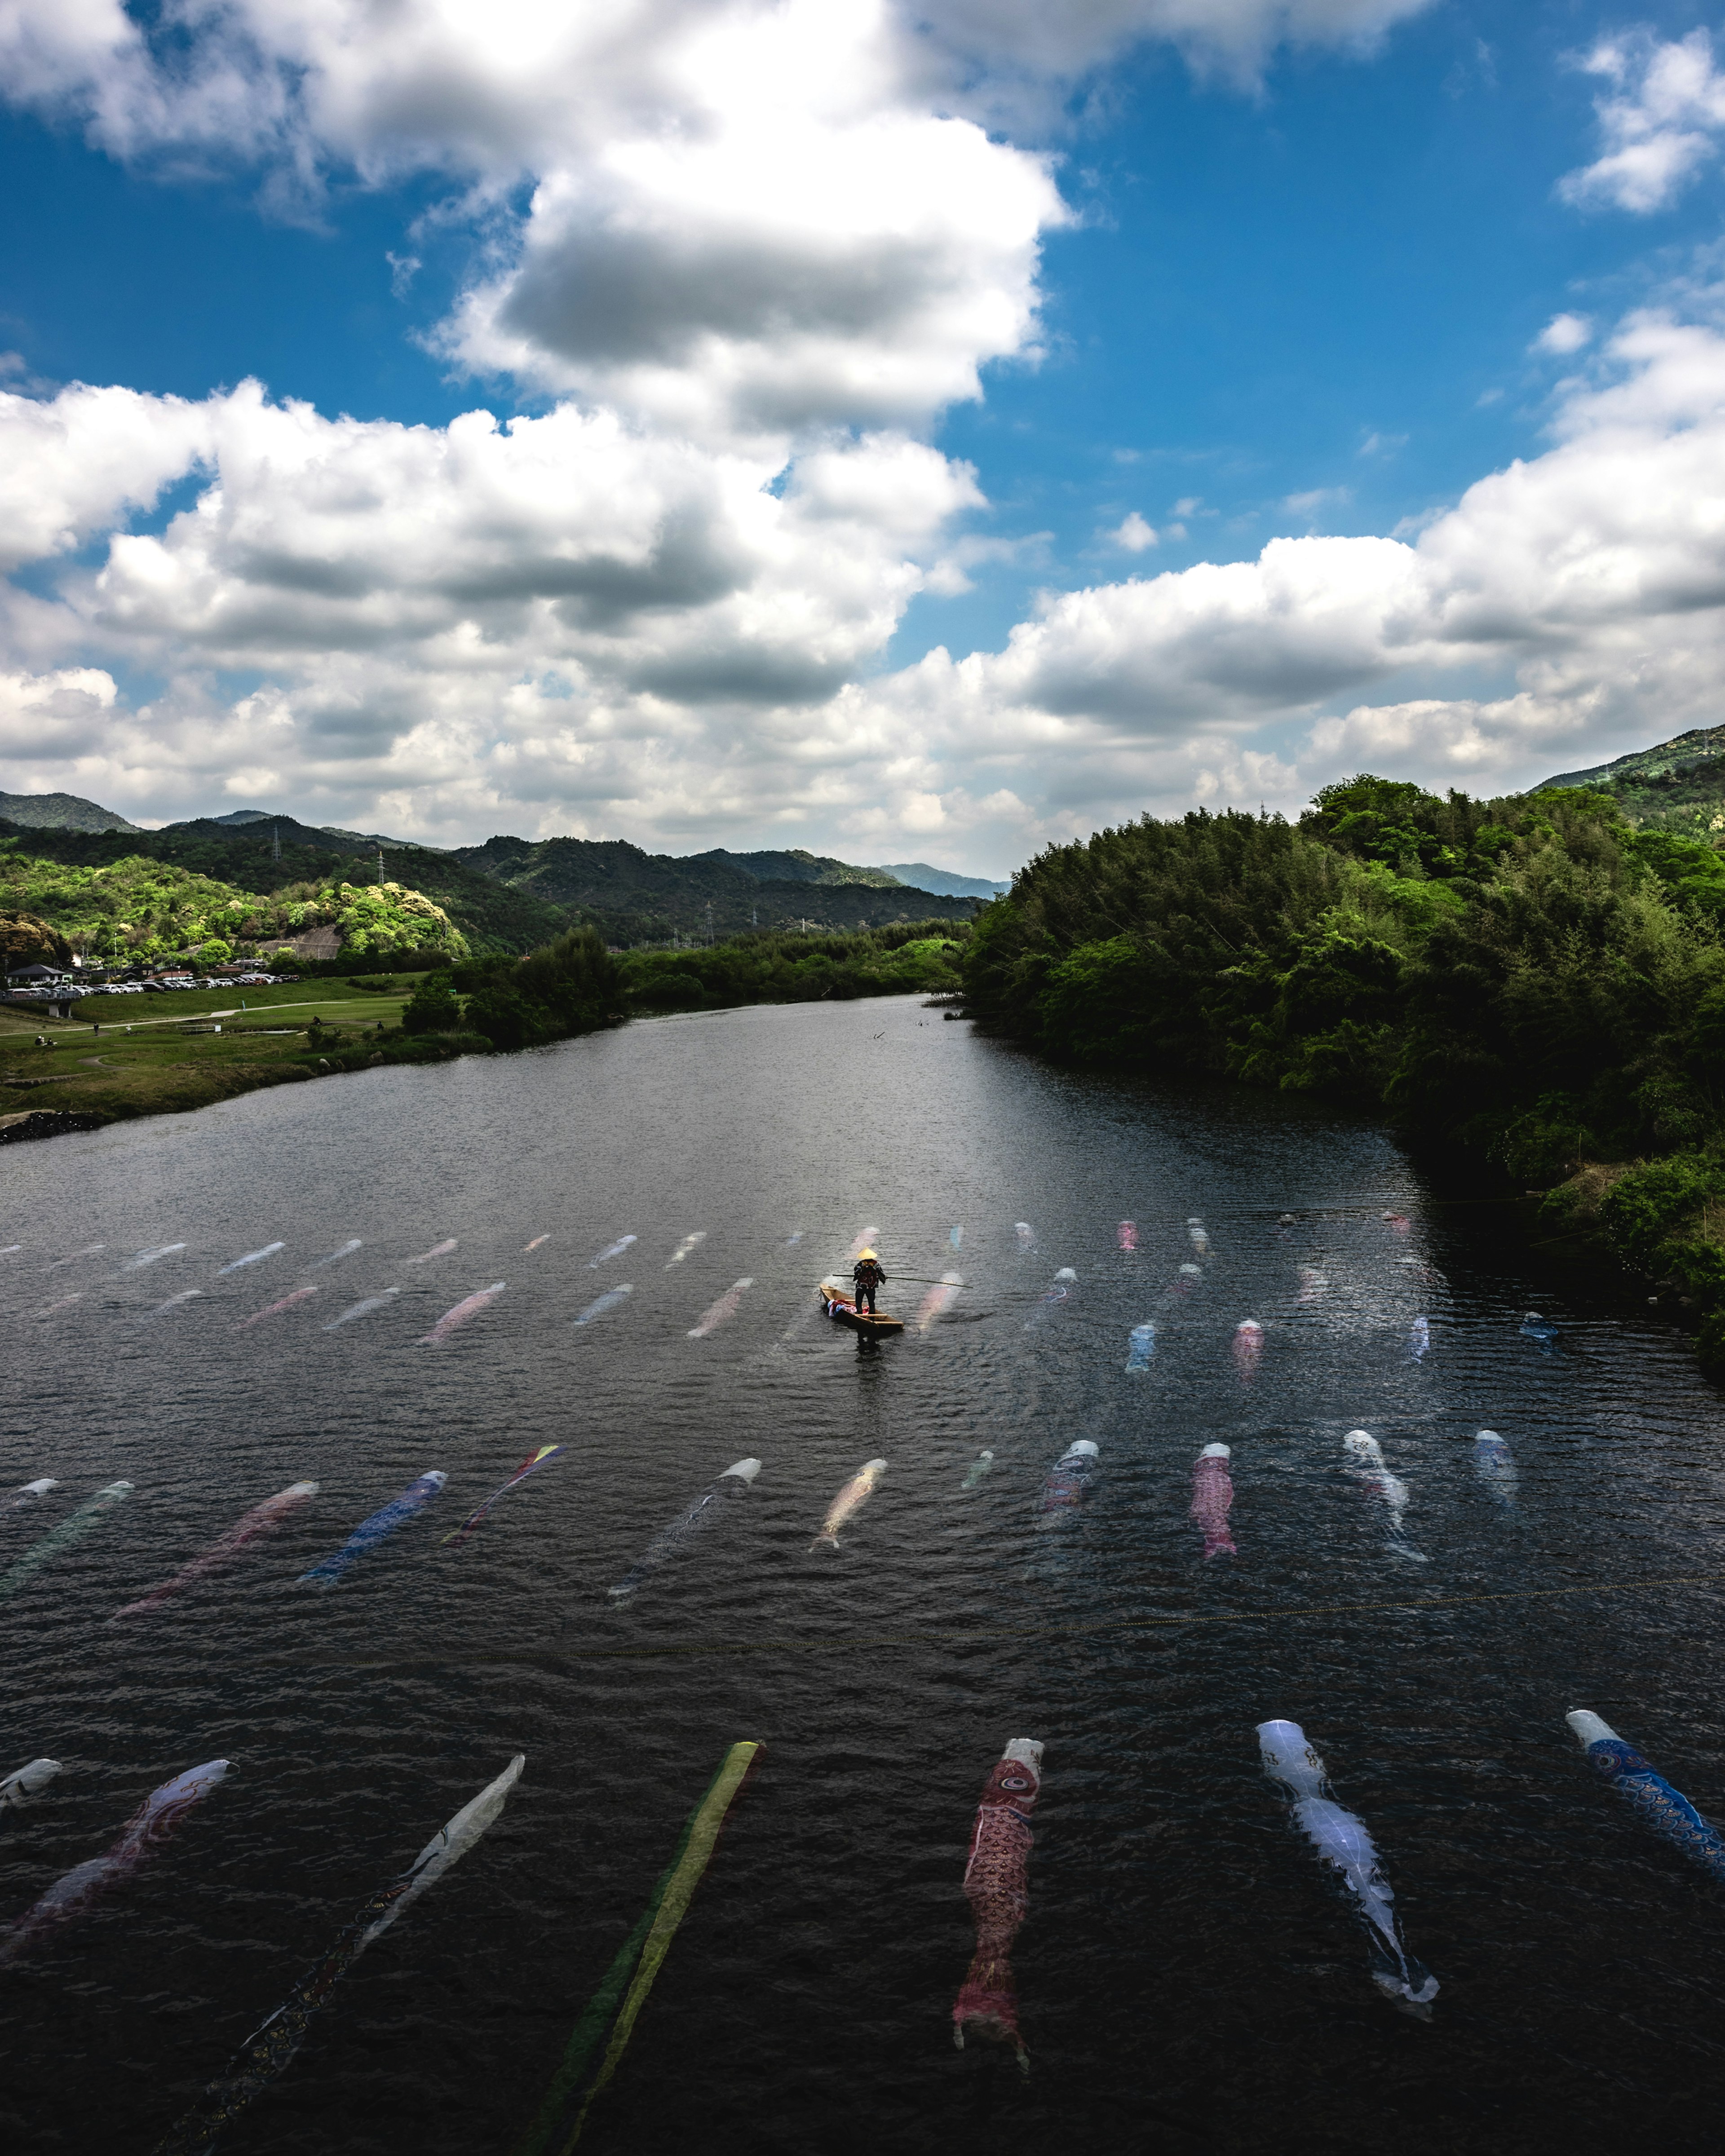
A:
[1563,334]
[1315,500]
[1134,534]
[1659,122]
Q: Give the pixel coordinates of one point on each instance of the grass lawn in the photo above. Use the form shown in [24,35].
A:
[94,1063]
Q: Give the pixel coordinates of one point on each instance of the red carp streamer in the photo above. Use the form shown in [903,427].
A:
[259,1521]
[997,1886]
[1126,1235]
[1212,1499]
[287,1302]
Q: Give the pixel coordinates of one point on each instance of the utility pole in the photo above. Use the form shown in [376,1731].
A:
[275,842]
[710,924]
[380,865]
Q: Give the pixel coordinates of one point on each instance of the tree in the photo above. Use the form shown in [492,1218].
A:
[25,941]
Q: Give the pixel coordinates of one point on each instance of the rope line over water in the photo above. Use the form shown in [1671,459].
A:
[531,1658]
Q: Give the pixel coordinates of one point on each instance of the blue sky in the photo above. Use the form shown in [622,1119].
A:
[1250,289]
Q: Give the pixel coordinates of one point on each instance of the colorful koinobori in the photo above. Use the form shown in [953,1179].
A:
[1213,1499]
[1248,1345]
[1666,1810]
[854,1494]
[148,1826]
[1495,1466]
[384,1521]
[271,1310]
[346,1251]
[733,1484]
[30,1493]
[1366,1460]
[620,1997]
[937,1299]
[26,1781]
[608,1301]
[437,1250]
[1064,1281]
[73,1528]
[691,1242]
[1341,1839]
[726,1307]
[469,1306]
[1068,1483]
[248,1529]
[1140,1347]
[272,2049]
[252,1258]
[611,1251]
[534,1460]
[997,1885]
[364,1309]
[978,1468]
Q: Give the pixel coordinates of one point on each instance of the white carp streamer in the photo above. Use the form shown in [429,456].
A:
[724,1309]
[1366,1461]
[363,1309]
[437,1250]
[1341,1839]
[28,1493]
[174,1302]
[272,2049]
[611,1300]
[149,1257]
[26,1781]
[611,1251]
[688,1243]
[252,1258]
[347,1250]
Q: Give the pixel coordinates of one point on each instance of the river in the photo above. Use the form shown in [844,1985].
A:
[1189,1974]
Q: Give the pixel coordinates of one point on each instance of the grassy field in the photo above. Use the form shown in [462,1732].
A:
[138,1055]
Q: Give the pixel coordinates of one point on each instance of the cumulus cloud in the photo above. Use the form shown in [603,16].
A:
[1564,334]
[1660,121]
[1134,534]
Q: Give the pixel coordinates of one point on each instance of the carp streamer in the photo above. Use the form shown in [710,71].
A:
[272,2049]
[370,1533]
[1341,1839]
[148,1826]
[1666,1810]
[997,1885]
[561,2118]
[247,1528]
[73,1528]
[459,1535]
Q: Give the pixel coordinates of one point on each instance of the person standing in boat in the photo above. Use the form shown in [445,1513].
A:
[869,1275]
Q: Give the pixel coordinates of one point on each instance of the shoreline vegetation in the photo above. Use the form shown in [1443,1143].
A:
[1529,979]
[124,1056]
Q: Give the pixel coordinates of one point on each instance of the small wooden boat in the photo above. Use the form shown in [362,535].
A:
[842,1310]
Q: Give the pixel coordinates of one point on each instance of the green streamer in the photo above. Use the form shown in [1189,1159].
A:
[643,1952]
[70,1530]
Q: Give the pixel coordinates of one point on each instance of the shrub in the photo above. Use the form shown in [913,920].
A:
[432,1007]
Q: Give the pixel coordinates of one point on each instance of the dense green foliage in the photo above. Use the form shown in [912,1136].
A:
[25,941]
[909,958]
[1529,976]
[133,906]
[572,986]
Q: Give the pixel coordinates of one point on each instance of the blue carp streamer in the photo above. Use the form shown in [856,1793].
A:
[1140,1347]
[272,2049]
[1666,1810]
[334,1567]
[613,1300]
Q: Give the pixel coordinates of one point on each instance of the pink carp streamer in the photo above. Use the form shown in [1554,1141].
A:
[722,1310]
[937,1299]
[1248,1345]
[1126,1235]
[997,1885]
[459,1535]
[437,1250]
[65,1302]
[469,1306]
[535,1242]
[287,1302]
[148,1827]
[1213,1499]
[258,1521]
[862,1243]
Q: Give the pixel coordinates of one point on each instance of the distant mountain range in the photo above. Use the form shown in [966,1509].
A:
[511,894]
[1678,784]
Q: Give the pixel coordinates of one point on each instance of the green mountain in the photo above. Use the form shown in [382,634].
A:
[1677,785]
[797,866]
[59,812]
[923,877]
[634,897]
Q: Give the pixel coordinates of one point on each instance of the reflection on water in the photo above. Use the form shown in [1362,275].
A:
[1188,1970]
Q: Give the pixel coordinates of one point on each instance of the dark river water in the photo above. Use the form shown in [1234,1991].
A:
[1189,1973]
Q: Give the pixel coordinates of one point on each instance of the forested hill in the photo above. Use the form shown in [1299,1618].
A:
[1677,785]
[1529,976]
[638,897]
